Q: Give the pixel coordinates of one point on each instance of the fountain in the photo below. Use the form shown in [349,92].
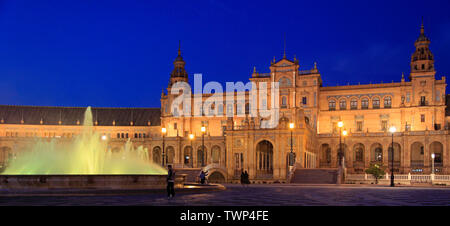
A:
[85,161]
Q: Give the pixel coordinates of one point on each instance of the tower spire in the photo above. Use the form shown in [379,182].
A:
[179,47]
[284,52]
[422,29]
[422,60]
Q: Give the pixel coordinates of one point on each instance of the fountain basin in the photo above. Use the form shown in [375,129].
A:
[113,181]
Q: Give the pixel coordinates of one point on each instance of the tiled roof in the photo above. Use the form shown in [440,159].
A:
[70,115]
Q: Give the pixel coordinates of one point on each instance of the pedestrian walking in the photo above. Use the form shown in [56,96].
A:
[170,182]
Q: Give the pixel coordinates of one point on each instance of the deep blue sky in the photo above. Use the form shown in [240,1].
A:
[120,53]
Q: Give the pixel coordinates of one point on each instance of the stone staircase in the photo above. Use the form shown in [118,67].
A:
[315,176]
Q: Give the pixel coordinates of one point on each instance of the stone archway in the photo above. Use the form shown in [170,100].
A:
[187,156]
[417,155]
[358,152]
[264,159]
[376,153]
[437,148]
[325,155]
[156,155]
[216,177]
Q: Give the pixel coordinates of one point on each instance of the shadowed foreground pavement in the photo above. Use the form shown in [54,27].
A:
[236,195]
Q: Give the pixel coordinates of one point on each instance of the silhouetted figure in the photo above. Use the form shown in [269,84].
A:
[202,177]
[242,178]
[246,179]
[170,182]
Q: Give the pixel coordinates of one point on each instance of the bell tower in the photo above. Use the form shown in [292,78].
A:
[422,60]
[179,73]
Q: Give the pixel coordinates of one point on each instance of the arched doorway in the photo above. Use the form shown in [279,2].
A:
[437,148]
[264,159]
[325,155]
[170,155]
[216,177]
[187,156]
[417,157]
[376,153]
[358,157]
[201,156]
[156,155]
[358,150]
[215,154]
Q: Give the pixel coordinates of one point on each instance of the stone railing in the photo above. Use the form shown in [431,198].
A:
[399,178]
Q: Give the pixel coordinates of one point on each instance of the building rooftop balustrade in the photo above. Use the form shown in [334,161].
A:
[381,134]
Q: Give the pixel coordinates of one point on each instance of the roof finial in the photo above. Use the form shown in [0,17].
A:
[403,77]
[284,53]
[315,65]
[254,69]
[179,47]
[422,30]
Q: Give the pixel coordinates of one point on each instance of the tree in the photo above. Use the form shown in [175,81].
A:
[376,171]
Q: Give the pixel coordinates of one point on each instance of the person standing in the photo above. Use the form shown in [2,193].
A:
[242,178]
[246,179]
[170,182]
[202,177]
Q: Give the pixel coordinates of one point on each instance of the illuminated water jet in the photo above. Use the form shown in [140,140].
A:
[86,153]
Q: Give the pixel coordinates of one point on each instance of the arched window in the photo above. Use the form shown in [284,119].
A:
[354,104]
[284,82]
[156,154]
[376,102]
[387,102]
[284,102]
[364,103]
[215,154]
[343,104]
[332,105]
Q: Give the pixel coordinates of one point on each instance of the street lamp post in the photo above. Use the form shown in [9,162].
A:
[191,137]
[291,155]
[203,129]
[432,163]
[340,125]
[163,131]
[344,133]
[392,130]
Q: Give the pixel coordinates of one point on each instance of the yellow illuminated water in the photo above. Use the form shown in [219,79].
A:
[86,153]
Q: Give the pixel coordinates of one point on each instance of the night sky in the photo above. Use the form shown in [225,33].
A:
[120,53]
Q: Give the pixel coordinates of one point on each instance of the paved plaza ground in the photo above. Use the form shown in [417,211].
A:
[259,195]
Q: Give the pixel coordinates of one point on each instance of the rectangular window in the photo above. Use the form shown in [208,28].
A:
[384,125]
[175,126]
[408,97]
[422,118]
[304,100]
[335,127]
[422,101]
[359,126]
